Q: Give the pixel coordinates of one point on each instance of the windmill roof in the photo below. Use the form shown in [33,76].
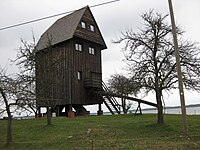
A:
[63,29]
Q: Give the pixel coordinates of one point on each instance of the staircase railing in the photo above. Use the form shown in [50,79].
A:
[110,102]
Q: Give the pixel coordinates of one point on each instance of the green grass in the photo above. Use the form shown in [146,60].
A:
[118,132]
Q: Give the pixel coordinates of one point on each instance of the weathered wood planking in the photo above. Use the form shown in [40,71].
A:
[57,65]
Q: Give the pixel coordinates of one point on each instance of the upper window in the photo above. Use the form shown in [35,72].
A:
[78,47]
[83,24]
[92,27]
[79,75]
[91,50]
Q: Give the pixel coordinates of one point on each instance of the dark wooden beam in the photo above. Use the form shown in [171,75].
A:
[127,97]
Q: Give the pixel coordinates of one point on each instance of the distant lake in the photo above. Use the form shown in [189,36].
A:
[195,110]
[191,110]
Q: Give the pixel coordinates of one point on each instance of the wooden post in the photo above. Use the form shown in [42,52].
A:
[57,111]
[138,109]
[178,67]
[100,112]
[39,112]
[70,113]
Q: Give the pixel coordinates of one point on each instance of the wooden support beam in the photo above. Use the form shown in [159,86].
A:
[127,97]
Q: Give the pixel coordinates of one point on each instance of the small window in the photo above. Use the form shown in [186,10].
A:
[92,28]
[83,24]
[91,50]
[79,75]
[78,47]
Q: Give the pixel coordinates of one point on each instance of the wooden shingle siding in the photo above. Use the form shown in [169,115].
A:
[51,78]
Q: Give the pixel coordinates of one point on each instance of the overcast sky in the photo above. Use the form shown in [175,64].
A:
[112,20]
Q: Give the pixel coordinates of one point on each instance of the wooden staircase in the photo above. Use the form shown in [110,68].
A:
[113,105]
[96,86]
[110,102]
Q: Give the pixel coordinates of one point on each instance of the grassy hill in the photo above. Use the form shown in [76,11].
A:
[117,132]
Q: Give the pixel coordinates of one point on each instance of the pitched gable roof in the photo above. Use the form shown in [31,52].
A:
[63,29]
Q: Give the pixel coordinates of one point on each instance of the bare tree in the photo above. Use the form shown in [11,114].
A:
[26,63]
[122,85]
[9,97]
[18,90]
[8,88]
[151,61]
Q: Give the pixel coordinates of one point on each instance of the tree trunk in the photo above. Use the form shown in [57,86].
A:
[160,107]
[9,123]
[9,130]
[35,114]
[124,106]
[48,116]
